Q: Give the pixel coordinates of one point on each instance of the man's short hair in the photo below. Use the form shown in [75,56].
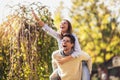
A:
[72,38]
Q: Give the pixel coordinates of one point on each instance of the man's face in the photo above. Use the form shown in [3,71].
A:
[66,44]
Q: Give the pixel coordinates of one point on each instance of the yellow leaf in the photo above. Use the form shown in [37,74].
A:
[106,19]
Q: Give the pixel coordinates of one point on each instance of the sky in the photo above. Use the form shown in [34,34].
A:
[52,4]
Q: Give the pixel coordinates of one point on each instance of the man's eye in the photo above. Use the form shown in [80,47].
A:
[65,41]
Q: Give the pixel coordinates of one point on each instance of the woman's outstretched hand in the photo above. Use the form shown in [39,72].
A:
[41,23]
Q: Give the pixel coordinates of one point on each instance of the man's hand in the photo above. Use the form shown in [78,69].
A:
[41,23]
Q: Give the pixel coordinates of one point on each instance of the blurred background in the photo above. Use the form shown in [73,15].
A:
[25,50]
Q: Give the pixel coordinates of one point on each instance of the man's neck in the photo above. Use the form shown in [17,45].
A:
[68,52]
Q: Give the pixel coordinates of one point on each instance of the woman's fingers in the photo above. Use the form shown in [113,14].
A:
[41,23]
[35,16]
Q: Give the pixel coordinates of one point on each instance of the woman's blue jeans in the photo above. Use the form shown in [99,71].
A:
[85,71]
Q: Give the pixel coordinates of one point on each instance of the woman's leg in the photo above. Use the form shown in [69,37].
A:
[85,71]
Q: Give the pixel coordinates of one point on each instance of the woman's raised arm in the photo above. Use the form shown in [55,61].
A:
[45,27]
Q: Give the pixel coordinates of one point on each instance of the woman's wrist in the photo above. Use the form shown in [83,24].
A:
[41,23]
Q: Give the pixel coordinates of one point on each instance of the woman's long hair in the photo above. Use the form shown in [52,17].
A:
[69,27]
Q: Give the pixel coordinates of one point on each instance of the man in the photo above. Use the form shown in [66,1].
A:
[71,70]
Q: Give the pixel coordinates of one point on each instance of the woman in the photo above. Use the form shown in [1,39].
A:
[65,27]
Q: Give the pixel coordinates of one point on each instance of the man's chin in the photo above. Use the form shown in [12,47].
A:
[65,49]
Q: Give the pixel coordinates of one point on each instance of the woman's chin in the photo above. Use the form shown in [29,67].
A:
[63,31]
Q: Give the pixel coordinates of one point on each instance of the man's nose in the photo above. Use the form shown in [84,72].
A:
[64,42]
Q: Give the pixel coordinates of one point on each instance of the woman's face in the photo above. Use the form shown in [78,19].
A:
[64,26]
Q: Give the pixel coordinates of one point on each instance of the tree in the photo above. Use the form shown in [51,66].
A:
[23,44]
[97,29]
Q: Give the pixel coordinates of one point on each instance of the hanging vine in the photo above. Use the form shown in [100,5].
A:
[23,41]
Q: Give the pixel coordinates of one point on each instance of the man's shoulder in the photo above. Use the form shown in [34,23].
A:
[57,51]
[56,54]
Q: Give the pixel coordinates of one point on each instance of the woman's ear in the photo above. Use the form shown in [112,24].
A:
[73,45]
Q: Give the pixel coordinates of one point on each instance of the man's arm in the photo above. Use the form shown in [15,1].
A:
[55,58]
[54,65]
